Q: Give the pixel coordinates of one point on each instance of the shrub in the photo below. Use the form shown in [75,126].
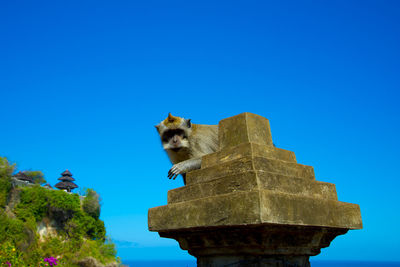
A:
[84,225]
[38,202]
[33,203]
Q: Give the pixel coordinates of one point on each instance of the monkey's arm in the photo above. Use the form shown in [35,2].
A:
[184,167]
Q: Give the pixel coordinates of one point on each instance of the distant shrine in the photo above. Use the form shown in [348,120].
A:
[48,186]
[66,183]
[23,177]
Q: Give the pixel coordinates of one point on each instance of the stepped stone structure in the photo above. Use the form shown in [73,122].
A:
[252,204]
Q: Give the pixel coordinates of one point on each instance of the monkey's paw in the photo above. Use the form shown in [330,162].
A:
[177,169]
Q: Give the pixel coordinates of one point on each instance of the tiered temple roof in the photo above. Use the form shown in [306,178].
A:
[23,177]
[67,173]
[66,181]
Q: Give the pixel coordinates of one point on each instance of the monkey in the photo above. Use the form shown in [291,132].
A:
[186,143]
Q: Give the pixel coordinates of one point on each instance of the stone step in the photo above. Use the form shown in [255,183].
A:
[253,180]
[254,208]
[247,149]
[290,209]
[296,186]
[250,164]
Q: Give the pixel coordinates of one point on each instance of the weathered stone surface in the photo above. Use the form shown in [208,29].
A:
[232,183]
[253,261]
[249,163]
[92,262]
[247,149]
[295,210]
[244,128]
[261,245]
[253,180]
[252,204]
[230,209]
[255,207]
[297,186]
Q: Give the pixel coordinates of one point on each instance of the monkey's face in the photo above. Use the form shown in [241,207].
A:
[174,132]
[174,139]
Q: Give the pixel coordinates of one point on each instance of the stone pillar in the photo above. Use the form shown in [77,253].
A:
[252,204]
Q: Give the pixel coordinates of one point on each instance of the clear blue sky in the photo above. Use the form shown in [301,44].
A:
[83,82]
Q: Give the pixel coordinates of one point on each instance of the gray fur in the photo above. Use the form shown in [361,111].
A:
[201,140]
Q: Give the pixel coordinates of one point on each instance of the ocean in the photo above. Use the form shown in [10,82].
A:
[191,263]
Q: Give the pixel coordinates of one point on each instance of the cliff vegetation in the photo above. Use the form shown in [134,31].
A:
[40,226]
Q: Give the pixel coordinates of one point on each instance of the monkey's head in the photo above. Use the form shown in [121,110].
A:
[174,132]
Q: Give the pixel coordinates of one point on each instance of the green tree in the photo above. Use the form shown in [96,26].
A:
[6,169]
[91,203]
[36,176]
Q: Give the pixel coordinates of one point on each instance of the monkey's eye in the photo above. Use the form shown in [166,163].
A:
[168,135]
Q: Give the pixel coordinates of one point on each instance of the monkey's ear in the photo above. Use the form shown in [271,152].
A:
[157,128]
[170,117]
[189,123]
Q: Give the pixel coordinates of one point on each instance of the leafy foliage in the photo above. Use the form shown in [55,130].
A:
[15,231]
[37,203]
[6,169]
[36,176]
[91,203]
[5,180]
[9,255]
[64,253]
